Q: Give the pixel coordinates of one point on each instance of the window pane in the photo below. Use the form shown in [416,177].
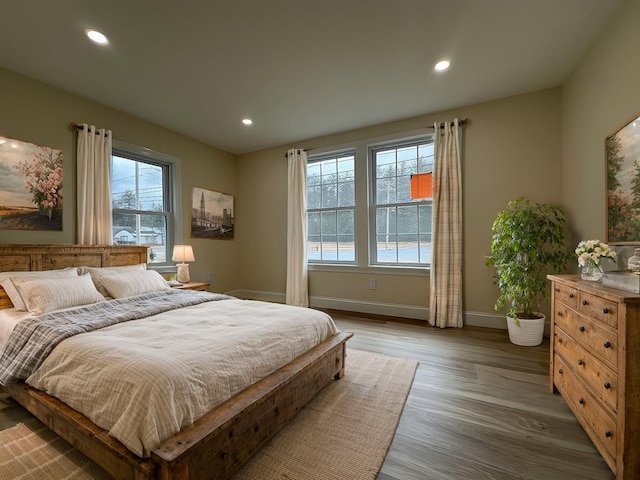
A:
[329,195]
[136,185]
[407,248]
[387,248]
[331,231]
[314,196]
[346,194]
[386,221]
[402,227]
[346,224]
[149,230]
[386,190]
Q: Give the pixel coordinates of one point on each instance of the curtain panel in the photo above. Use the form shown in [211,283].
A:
[445,303]
[297,291]
[94,186]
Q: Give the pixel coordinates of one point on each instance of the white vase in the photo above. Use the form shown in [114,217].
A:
[528,333]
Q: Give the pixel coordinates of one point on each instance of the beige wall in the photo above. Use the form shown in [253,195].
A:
[34,112]
[601,96]
[512,147]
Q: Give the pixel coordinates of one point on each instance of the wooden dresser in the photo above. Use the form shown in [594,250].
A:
[595,365]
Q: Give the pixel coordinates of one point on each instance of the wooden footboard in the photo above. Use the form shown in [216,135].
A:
[216,444]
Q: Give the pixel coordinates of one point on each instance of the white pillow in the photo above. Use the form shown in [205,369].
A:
[6,280]
[46,295]
[98,273]
[134,283]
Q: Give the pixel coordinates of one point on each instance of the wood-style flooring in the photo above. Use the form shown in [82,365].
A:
[479,408]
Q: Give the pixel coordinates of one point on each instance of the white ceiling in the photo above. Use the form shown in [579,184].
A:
[298,68]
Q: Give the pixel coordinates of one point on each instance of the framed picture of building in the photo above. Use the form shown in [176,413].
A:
[211,214]
[623,184]
[30,186]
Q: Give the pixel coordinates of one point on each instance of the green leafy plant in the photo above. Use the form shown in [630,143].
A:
[527,243]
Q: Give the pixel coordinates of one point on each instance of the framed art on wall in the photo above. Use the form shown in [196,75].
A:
[30,186]
[212,214]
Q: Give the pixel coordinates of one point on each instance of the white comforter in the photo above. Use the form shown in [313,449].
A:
[144,380]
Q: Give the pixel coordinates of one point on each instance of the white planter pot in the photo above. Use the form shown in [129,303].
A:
[529,333]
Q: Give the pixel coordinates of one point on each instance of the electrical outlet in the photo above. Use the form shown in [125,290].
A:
[372,284]
[209,277]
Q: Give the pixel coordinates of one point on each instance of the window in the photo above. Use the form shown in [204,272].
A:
[400,224]
[142,198]
[331,208]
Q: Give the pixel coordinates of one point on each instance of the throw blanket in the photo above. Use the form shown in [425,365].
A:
[33,340]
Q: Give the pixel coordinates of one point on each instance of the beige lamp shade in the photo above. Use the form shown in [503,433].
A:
[183,253]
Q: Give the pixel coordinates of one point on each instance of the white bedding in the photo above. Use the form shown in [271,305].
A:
[144,380]
[9,318]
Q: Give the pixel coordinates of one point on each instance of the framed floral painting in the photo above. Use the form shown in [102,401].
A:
[30,186]
[212,214]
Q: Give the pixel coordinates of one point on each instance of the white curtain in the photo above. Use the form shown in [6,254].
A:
[445,303]
[94,186]
[297,272]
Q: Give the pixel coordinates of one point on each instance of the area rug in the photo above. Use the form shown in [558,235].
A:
[343,433]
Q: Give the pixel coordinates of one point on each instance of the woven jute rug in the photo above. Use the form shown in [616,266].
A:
[342,434]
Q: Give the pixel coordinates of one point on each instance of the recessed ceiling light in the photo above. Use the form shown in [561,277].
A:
[96,36]
[442,65]
[247,121]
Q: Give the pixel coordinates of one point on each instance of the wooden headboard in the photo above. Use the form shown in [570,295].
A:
[28,258]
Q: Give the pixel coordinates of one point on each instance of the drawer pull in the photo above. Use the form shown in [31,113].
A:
[607,434]
[584,302]
[557,289]
[560,371]
[580,362]
[607,344]
[581,401]
[581,328]
[559,340]
[571,295]
[605,310]
[559,314]
[607,385]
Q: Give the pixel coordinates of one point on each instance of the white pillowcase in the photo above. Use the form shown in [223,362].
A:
[134,283]
[46,295]
[7,282]
[98,273]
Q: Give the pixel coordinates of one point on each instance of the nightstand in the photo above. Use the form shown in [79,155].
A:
[202,286]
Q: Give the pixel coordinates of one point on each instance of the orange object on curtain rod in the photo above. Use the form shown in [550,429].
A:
[421,186]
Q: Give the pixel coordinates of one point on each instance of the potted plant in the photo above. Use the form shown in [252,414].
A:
[527,243]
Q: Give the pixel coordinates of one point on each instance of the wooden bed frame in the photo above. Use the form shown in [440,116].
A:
[215,445]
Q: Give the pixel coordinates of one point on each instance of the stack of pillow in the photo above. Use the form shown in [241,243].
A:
[46,291]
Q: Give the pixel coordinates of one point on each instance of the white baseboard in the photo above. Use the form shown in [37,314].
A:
[477,319]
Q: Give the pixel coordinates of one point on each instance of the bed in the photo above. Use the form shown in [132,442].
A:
[216,443]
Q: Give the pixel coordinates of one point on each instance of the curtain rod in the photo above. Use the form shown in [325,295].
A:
[460,122]
[286,155]
[81,127]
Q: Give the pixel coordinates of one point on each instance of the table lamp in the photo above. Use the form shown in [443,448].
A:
[183,253]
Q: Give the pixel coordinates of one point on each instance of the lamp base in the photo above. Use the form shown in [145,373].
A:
[183,273]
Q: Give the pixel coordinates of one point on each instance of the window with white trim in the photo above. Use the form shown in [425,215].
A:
[142,196]
[331,208]
[400,224]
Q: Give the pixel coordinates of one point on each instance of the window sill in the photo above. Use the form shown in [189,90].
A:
[377,269]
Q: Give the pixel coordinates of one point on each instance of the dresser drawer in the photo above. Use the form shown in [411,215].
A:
[600,425]
[599,308]
[602,380]
[598,338]
[567,295]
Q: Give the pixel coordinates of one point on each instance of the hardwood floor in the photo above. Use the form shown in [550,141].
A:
[479,408]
